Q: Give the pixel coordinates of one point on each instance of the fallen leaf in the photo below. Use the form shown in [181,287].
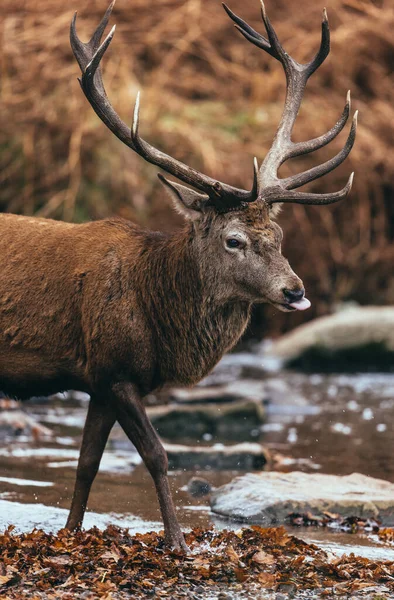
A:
[231,554]
[263,558]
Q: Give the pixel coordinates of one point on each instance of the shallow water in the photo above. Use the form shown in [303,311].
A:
[330,423]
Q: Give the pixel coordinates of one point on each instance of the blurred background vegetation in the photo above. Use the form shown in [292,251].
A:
[214,101]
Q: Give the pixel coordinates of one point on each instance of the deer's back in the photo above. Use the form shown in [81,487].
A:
[60,288]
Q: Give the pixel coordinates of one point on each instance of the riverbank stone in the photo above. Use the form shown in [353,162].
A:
[15,422]
[269,497]
[354,339]
[198,487]
[229,420]
[246,457]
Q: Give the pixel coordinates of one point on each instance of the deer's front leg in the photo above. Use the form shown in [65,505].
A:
[131,414]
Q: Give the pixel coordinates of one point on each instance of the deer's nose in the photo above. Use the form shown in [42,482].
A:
[293,295]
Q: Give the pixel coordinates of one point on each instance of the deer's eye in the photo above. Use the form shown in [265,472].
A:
[233,243]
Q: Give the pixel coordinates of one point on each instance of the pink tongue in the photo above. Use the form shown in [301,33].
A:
[301,304]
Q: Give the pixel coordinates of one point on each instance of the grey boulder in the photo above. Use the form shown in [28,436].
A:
[268,498]
[362,334]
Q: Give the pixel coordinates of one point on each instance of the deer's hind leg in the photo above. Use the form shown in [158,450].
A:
[99,422]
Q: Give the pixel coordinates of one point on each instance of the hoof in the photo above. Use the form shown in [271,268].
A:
[177,544]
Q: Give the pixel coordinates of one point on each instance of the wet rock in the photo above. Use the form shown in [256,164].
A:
[236,365]
[64,416]
[281,462]
[198,487]
[73,398]
[246,364]
[274,391]
[208,394]
[245,456]
[230,420]
[353,339]
[8,403]
[268,498]
[245,389]
[15,423]
[280,393]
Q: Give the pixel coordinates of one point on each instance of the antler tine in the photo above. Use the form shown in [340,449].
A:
[300,148]
[295,181]
[84,52]
[274,195]
[276,46]
[324,49]
[91,80]
[255,189]
[89,57]
[248,32]
[271,187]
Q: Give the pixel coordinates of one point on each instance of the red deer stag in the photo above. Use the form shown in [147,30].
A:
[117,311]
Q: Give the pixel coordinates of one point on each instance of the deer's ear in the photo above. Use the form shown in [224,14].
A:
[275,210]
[188,202]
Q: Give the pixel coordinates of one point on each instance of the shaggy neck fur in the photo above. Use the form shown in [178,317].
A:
[192,326]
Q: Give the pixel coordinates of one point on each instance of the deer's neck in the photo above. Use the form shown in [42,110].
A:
[193,327]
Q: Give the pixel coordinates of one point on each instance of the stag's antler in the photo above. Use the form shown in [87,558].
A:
[270,187]
[266,185]
[89,56]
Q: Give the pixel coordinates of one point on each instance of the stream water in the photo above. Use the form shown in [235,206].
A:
[336,424]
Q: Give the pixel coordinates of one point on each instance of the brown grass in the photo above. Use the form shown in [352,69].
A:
[214,101]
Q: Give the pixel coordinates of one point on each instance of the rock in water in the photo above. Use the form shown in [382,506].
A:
[199,487]
[246,457]
[15,422]
[228,420]
[356,338]
[267,498]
